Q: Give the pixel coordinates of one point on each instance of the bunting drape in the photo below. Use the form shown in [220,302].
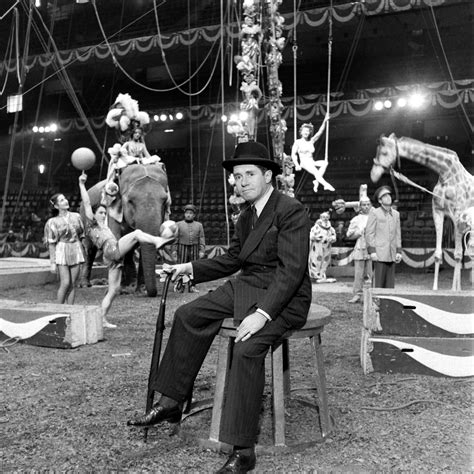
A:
[313,18]
[438,94]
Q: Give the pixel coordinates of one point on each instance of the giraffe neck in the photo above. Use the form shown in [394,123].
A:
[440,160]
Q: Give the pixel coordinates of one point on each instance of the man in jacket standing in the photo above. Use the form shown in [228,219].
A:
[360,255]
[384,241]
[270,294]
[190,243]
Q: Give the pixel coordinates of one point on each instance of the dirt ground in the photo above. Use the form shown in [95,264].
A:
[66,410]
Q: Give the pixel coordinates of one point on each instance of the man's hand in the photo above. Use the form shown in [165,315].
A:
[398,258]
[82,178]
[177,270]
[250,325]
[373,257]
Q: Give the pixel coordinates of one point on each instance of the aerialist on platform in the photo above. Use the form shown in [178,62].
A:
[113,249]
[270,295]
[303,149]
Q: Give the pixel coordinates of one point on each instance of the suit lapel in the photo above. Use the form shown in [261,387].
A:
[264,222]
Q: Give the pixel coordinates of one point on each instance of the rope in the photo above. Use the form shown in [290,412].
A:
[402,177]
[406,405]
[328,98]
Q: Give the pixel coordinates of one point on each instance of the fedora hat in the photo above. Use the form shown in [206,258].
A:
[190,207]
[382,191]
[251,153]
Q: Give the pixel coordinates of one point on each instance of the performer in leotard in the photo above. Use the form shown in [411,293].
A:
[62,234]
[113,250]
[302,154]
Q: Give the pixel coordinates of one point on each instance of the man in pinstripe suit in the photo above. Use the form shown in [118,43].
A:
[269,295]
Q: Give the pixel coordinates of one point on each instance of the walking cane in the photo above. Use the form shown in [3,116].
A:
[155,357]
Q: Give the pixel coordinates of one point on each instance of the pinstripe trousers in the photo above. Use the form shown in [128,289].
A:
[194,328]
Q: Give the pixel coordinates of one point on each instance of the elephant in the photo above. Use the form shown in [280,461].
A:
[143,202]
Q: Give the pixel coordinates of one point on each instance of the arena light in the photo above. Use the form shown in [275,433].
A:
[416,101]
[47,129]
[14,103]
[170,117]
[402,102]
[387,104]
[243,115]
[234,117]
[53,127]
[378,105]
[169,130]
[41,168]
[41,129]
[179,115]
[163,117]
[35,129]
[156,118]
[224,118]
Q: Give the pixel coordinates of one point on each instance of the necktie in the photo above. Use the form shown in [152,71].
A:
[254,216]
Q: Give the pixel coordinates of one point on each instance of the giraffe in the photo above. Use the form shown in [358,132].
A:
[453,194]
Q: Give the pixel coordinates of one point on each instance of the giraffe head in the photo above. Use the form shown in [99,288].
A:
[385,156]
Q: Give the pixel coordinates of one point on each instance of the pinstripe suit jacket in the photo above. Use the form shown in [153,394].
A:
[271,261]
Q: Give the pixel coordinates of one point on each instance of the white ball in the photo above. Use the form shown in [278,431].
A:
[83,158]
[168,229]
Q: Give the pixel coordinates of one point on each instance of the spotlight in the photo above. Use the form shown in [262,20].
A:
[234,117]
[41,129]
[243,115]
[402,102]
[35,129]
[156,118]
[378,105]
[387,104]
[163,117]
[224,118]
[41,168]
[416,101]
[179,116]
[169,130]
[47,129]
[53,127]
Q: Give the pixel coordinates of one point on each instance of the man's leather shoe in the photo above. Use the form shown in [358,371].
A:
[156,415]
[239,461]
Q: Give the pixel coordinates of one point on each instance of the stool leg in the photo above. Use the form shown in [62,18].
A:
[225,345]
[321,385]
[278,396]
[286,368]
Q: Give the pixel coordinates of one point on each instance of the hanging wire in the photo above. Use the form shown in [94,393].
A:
[8,52]
[328,96]
[63,76]
[37,114]
[468,121]
[165,62]
[15,121]
[144,86]
[224,175]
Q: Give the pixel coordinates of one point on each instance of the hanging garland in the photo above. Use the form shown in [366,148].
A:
[274,42]
[243,126]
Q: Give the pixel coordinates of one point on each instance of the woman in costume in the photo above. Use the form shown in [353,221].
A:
[62,234]
[322,236]
[302,154]
[113,250]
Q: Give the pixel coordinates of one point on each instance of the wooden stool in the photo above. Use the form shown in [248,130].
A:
[317,318]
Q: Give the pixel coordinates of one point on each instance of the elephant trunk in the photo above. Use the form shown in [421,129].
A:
[148,259]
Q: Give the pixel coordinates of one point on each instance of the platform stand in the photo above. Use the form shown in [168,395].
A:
[424,332]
